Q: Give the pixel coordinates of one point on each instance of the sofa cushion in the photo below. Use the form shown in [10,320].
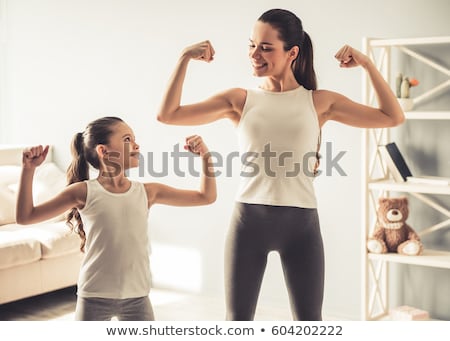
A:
[9,174]
[56,239]
[48,181]
[17,247]
[25,244]
[7,206]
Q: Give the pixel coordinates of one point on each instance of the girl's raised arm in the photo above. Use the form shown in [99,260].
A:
[167,195]
[26,213]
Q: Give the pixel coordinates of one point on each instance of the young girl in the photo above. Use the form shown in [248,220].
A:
[278,211]
[110,214]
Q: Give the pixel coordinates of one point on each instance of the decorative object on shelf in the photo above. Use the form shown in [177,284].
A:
[392,233]
[402,86]
[395,162]
[407,313]
[407,104]
[400,171]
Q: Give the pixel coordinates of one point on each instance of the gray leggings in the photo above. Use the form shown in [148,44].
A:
[104,309]
[295,233]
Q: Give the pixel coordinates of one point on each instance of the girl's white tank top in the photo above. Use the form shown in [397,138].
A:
[116,263]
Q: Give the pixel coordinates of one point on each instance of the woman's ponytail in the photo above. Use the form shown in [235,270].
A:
[303,66]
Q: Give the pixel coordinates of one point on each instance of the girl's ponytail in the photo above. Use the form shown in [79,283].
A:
[77,171]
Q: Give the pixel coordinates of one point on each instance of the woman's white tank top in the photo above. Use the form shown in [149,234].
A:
[278,134]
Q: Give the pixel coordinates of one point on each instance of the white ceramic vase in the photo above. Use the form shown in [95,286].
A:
[407,104]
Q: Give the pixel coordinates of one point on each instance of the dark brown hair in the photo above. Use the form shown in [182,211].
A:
[84,154]
[290,30]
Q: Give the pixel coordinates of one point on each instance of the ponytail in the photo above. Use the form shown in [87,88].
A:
[303,66]
[77,171]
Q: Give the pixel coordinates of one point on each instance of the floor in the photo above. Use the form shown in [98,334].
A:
[167,306]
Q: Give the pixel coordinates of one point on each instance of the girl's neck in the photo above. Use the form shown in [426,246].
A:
[116,184]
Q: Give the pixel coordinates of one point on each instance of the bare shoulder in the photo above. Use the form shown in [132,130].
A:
[323,101]
[236,98]
[78,187]
[236,94]
[324,98]
[151,188]
[232,103]
[78,192]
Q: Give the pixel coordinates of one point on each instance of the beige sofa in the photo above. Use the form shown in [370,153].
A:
[38,258]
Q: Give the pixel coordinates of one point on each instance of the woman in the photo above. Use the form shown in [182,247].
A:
[276,208]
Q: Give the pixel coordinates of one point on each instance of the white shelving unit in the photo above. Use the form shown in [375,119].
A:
[378,182]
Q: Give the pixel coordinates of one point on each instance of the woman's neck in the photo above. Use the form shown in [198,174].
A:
[280,84]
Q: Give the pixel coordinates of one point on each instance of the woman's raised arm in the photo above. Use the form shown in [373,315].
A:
[227,104]
[339,108]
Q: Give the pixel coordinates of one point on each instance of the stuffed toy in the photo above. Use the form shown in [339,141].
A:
[392,234]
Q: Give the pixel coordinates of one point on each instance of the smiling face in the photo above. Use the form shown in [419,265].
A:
[122,150]
[267,54]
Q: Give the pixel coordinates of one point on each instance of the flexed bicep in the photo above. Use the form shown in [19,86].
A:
[336,107]
[222,105]
[72,196]
[168,195]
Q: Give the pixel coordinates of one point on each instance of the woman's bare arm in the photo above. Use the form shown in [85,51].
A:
[227,104]
[334,106]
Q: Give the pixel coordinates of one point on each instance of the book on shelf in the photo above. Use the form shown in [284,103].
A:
[400,170]
[395,162]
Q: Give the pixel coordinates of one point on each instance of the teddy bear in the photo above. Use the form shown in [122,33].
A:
[391,233]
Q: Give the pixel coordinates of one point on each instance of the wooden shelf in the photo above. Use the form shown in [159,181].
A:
[375,278]
[427,115]
[410,41]
[391,185]
[387,317]
[432,258]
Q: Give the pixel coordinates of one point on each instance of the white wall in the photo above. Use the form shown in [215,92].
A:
[68,62]
[2,70]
